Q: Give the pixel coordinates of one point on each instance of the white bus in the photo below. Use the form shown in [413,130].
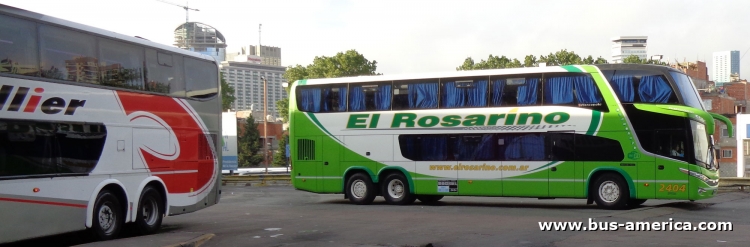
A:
[99,129]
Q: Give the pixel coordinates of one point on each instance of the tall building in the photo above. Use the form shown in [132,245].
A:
[268,55]
[245,78]
[201,38]
[726,65]
[624,46]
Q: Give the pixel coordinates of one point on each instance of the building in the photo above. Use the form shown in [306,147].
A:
[731,101]
[624,46]
[245,78]
[201,38]
[267,55]
[726,64]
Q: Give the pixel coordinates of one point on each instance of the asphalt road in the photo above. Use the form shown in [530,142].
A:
[282,216]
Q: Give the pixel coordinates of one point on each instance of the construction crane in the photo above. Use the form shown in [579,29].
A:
[187,10]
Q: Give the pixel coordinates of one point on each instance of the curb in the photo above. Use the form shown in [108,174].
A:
[195,242]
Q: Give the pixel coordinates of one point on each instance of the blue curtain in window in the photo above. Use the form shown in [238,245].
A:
[586,90]
[623,86]
[342,98]
[481,150]
[497,92]
[434,148]
[558,90]
[310,100]
[528,147]
[383,98]
[477,96]
[423,95]
[327,107]
[474,96]
[527,93]
[654,89]
[356,98]
[453,97]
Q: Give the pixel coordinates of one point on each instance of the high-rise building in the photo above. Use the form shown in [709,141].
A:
[201,38]
[245,78]
[624,46]
[268,55]
[726,65]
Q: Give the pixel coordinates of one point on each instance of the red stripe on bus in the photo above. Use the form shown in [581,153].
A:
[44,202]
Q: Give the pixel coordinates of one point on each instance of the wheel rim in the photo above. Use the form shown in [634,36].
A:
[396,188]
[359,189]
[107,218]
[150,211]
[609,191]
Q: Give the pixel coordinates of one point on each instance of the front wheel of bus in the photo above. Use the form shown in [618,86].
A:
[108,216]
[360,190]
[150,213]
[611,191]
[396,190]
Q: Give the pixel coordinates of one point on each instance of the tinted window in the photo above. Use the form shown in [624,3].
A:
[642,87]
[572,89]
[331,98]
[469,92]
[515,91]
[687,90]
[415,95]
[201,78]
[18,47]
[44,148]
[68,55]
[370,97]
[120,64]
[164,73]
[594,148]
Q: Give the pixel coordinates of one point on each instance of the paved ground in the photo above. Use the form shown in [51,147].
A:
[282,216]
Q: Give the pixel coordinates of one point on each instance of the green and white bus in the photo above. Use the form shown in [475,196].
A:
[615,134]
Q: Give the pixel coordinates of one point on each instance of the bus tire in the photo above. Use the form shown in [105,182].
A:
[108,216]
[428,199]
[150,211]
[611,191]
[396,191]
[360,190]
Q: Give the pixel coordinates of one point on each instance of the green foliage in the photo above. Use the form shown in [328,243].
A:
[635,59]
[227,94]
[559,58]
[279,157]
[249,145]
[349,63]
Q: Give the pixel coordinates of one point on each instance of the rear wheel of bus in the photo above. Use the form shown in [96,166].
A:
[360,190]
[150,211]
[108,216]
[396,190]
[611,191]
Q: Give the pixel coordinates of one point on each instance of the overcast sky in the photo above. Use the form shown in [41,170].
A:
[431,35]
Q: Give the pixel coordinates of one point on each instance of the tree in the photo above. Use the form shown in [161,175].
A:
[349,63]
[227,94]
[600,60]
[249,146]
[559,58]
[279,157]
[635,59]
[529,61]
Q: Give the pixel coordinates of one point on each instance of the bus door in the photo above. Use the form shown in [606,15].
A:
[564,172]
[671,183]
[306,159]
[329,176]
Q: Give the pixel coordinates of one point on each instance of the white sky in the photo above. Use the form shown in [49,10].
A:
[431,35]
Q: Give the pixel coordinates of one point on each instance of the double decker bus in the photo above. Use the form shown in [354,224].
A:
[98,129]
[615,134]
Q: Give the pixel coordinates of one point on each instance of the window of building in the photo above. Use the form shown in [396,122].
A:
[726,153]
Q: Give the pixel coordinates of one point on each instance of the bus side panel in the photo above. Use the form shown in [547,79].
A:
[329,175]
[30,220]
[478,179]
[561,180]
[306,161]
[434,177]
[517,183]
[645,186]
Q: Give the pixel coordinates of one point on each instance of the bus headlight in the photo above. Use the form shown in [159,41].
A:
[704,178]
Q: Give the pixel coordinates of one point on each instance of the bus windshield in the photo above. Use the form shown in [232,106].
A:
[687,90]
[703,154]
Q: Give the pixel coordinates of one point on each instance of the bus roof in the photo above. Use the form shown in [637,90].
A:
[13,11]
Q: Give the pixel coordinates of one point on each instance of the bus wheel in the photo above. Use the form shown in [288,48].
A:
[108,216]
[611,191]
[429,198]
[150,213]
[396,190]
[360,190]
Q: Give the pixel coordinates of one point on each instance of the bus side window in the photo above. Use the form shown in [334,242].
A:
[421,94]
[201,79]
[574,90]
[18,47]
[370,97]
[515,91]
[164,73]
[68,55]
[634,86]
[121,64]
